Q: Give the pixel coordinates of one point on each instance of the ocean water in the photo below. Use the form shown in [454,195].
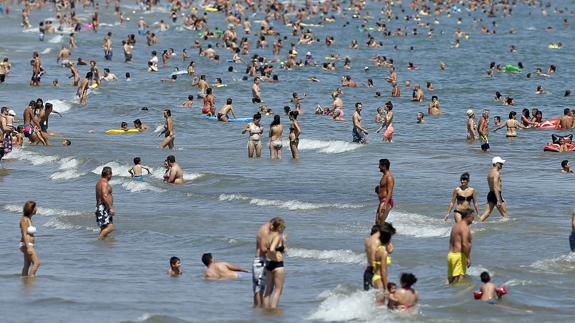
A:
[326,197]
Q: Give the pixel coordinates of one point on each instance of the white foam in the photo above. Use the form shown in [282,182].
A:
[517,282]
[476,270]
[331,256]
[417,225]
[291,205]
[67,174]
[68,162]
[60,106]
[328,146]
[117,169]
[565,263]
[31,30]
[341,304]
[57,223]
[46,51]
[34,158]
[138,186]
[56,39]
[42,211]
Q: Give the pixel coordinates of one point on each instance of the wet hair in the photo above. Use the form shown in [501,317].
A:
[387,227]
[67,142]
[566,111]
[207,258]
[391,285]
[138,122]
[277,224]
[407,280]
[168,112]
[485,278]
[48,105]
[191,97]
[293,114]
[385,163]
[385,237]
[498,118]
[525,113]
[174,260]
[124,124]
[137,160]
[287,109]
[567,93]
[464,176]
[564,163]
[28,208]
[374,228]
[106,171]
[434,97]
[257,116]
[209,90]
[276,121]
[389,105]
[512,114]
[128,75]
[230,69]
[229,101]
[171,159]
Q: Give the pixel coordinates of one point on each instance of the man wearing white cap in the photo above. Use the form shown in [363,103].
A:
[494,198]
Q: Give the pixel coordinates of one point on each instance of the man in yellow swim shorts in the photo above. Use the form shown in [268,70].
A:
[459,256]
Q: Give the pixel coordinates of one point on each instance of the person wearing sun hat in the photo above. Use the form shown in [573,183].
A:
[494,197]
[471,127]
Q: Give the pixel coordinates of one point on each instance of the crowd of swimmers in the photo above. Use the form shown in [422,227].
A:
[268,265]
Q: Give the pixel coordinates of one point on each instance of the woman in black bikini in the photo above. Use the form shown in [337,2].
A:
[275,264]
[294,132]
[463,194]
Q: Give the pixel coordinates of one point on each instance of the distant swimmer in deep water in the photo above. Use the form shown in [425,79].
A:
[221,270]
[175,269]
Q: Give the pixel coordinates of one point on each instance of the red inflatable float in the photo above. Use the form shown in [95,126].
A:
[560,144]
[548,125]
[499,291]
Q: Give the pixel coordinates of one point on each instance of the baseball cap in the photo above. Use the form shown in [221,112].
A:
[12,113]
[469,112]
[497,159]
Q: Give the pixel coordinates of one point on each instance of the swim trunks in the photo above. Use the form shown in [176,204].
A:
[491,198]
[367,277]
[358,136]
[138,178]
[220,115]
[572,241]
[2,78]
[44,127]
[256,100]
[103,217]
[456,264]
[259,275]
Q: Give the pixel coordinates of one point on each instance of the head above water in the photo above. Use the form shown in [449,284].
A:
[485,278]
[207,259]
[107,172]
[407,280]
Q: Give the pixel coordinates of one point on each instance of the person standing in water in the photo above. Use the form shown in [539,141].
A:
[276,134]
[385,192]
[494,198]
[459,256]
[483,129]
[358,133]
[168,131]
[275,246]
[27,231]
[463,194]
[105,211]
[260,261]
[471,129]
[255,141]
[572,236]
[294,132]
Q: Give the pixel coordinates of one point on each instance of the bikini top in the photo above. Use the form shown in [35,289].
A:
[464,198]
[256,130]
[31,230]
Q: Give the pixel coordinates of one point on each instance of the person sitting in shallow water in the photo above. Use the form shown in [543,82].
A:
[221,270]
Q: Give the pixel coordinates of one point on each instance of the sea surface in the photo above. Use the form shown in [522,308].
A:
[326,197]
